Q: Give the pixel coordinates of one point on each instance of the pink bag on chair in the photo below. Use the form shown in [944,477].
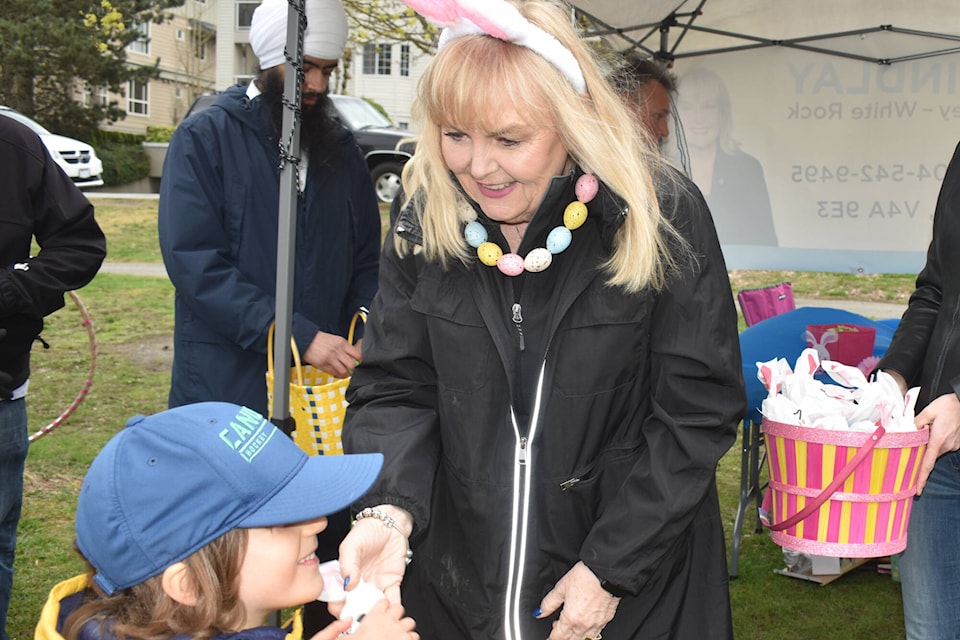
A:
[766,302]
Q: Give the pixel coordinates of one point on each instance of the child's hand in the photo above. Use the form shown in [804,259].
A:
[385,621]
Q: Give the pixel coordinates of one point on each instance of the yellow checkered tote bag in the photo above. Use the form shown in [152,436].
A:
[317,403]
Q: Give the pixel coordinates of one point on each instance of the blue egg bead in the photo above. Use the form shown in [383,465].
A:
[475,234]
[558,240]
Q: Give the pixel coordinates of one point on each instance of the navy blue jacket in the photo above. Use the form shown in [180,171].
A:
[218,234]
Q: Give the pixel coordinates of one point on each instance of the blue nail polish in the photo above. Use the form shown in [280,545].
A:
[537,612]
[346,581]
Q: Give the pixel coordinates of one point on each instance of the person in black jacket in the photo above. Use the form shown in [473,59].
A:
[40,202]
[551,366]
[925,351]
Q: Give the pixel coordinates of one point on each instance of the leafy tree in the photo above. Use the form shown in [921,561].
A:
[374,21]
[52,52]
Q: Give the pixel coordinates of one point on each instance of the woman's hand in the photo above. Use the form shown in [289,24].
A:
[587,607]
[332,354]
[943,417]
[377,553]
[384,621]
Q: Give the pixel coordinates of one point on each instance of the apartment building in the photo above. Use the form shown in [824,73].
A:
[205,47]
[185,49]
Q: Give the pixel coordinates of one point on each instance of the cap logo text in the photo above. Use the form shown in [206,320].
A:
[248,433]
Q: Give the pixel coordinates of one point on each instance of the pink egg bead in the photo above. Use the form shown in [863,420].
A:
[587,187]
[510,264]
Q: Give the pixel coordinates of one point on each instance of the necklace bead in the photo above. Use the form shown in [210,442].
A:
[539,259]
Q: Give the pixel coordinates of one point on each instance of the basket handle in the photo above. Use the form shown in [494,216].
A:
[828,491]
[359,315]
[293,349]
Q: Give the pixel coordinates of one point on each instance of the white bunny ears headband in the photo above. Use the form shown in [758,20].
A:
[499,19]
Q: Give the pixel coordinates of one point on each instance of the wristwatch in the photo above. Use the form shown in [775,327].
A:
[615,590]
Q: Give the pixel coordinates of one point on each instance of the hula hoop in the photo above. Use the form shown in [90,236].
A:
[88,324]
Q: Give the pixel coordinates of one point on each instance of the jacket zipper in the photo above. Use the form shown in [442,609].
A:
[518,321]
[522,474]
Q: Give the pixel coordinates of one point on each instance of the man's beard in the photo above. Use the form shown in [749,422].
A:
[317,126]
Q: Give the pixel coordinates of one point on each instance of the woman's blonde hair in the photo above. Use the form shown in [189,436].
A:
[146,612]
[464,86]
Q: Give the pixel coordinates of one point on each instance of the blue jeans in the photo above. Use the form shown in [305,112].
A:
[13,452]
[930,565]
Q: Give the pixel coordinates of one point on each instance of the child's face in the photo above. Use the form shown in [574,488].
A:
[280,569]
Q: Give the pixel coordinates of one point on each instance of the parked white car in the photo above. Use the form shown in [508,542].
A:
[77,159]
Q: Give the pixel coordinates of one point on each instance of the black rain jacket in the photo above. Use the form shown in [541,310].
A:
[925,349]
[528,423]
[40,202]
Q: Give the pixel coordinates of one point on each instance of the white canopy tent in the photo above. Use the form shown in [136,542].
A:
[851,109]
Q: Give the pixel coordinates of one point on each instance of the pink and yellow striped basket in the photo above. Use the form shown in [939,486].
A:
[840,493]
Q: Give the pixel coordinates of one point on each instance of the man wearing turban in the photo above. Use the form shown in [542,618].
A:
[218,223]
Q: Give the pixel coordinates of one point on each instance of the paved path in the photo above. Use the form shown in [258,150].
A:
[875,310]
[135,268]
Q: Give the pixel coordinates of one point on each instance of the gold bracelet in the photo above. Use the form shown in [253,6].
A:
[370,512]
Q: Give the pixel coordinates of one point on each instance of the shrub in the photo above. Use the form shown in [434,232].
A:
[159,133]
[123,157]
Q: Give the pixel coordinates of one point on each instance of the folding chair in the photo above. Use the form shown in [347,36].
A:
[765,302]
[757,305]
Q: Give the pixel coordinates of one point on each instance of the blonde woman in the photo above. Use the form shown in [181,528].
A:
[551,367]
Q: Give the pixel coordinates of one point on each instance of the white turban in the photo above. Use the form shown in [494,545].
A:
[324,38]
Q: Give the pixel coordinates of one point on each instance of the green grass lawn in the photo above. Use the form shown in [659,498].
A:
[133,317]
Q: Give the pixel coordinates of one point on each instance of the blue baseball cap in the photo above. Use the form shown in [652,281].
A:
[169,484]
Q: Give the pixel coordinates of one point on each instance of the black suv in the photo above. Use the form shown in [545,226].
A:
[375,134]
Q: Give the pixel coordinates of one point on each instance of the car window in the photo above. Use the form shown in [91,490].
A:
[359,114]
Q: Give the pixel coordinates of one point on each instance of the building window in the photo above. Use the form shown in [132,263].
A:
[138,97]
[180,35]
[376,59]
[404,60]
[245,14]
[142,43]
[201,50]
[98,96]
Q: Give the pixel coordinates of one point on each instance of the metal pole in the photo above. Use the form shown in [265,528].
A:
[287,213]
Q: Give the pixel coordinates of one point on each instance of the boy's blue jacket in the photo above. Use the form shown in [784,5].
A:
[68,595]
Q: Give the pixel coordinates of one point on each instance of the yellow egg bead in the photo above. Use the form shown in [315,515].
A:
[489,253]
[575,215]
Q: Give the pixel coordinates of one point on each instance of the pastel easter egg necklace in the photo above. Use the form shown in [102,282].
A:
[558,239]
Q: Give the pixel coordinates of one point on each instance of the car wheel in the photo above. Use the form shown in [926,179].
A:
[386,180]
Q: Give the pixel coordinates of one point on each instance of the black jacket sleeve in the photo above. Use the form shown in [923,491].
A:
[908,348]
[41,203]
[697,396]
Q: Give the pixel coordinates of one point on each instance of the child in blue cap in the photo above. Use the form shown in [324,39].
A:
[200,521]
